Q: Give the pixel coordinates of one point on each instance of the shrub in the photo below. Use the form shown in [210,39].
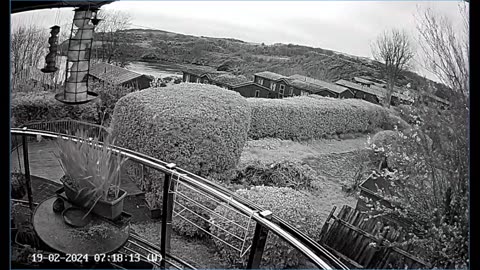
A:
[201,128]
[302,118]
[108,95]
[293,174]
[292,206]
[42,106]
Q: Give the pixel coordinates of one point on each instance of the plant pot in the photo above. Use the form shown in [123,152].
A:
[107,209]
[155,213]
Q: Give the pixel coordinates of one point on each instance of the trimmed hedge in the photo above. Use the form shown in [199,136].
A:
[292,206]
[42,106]
[201,128]
[309,117]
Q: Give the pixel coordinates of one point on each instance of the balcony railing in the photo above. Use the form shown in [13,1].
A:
[176,178]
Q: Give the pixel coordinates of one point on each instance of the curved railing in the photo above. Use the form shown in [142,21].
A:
[69,127]
[265,221]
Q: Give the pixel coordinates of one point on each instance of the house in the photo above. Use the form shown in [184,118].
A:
[226,80]
[111,74]
[200,74]
[282,86]
[429,97]
[373,93]
[251,89]
[362,91]
[333,90]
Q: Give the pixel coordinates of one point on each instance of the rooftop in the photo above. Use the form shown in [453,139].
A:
[270,75]
[330,86]
[229,79]
[310,87]
[113,74]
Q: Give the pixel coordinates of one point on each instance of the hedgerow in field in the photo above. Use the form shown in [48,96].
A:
[302,118]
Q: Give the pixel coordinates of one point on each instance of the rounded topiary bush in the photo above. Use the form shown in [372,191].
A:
[201,128]
[290,205]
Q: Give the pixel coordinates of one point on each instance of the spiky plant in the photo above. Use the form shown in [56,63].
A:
[92,169]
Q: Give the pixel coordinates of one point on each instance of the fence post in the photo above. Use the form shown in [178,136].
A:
[258,243]
[167,209]
[27,171]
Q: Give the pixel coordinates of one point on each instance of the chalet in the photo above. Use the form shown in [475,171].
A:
[331,89]
[201,74]
[362,91]
[226,80]
[373,93]
[428,97]
[114,75]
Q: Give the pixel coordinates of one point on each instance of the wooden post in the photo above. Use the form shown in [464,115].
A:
[258,243]
[27,171]
[167,210]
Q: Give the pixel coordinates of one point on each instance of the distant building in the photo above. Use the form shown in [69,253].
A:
[114,75]
[372,93]
[333,90]
[226,80]
[283,86]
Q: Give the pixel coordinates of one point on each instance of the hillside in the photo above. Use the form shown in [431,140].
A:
[248,58]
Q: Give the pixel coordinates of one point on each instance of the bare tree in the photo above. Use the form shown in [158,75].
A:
[446,50]
[28,47]
[109,30]
[394,49]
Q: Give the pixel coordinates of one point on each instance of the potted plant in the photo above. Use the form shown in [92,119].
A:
[153,201]
[92,174]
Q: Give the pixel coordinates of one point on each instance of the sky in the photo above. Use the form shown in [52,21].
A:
[344,26]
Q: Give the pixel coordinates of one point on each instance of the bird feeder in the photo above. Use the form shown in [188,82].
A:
[50,59]
[78,58]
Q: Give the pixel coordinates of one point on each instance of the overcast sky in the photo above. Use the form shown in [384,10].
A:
[344,26]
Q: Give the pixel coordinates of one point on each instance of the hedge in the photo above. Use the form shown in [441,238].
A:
[201,128]
[292,206]
[309,117]
[42,106]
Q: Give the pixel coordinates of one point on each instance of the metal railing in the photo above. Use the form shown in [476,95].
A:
[70,127]
[266,222]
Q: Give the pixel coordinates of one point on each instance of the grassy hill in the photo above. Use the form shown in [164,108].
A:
[248,58]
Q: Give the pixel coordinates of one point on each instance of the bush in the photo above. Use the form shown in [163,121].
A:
[108,95]
[302,118]
[284,173]
[42,106]
[292,206]
[201,128]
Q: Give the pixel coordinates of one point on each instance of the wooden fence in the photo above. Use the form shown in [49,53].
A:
[363,242]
